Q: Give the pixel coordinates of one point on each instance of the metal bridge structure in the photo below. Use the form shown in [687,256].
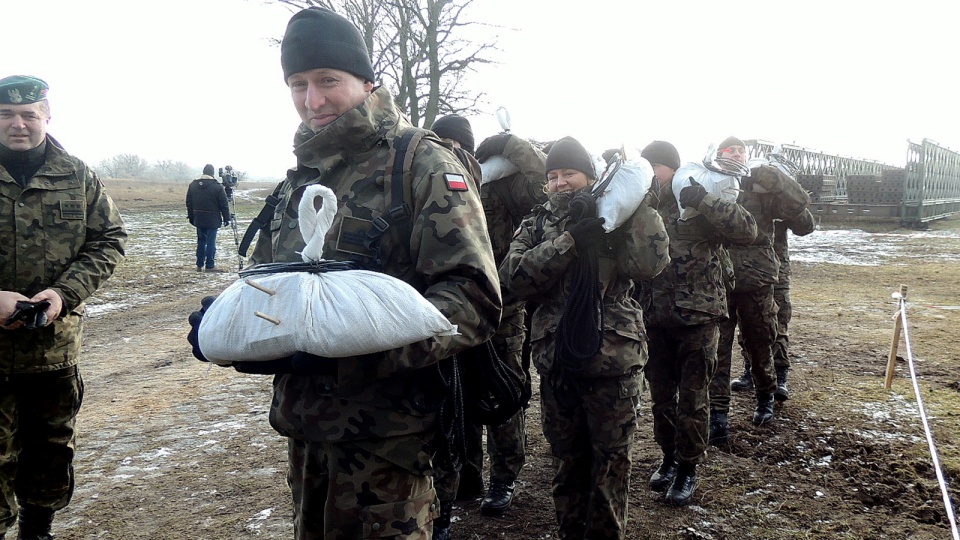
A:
[926,188]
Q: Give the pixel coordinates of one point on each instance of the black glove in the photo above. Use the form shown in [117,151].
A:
[583,205]
[190,220]
[692,195]
[226,223]
[492,146]
[587,231]
[300,363]
[32,314]
[193,336]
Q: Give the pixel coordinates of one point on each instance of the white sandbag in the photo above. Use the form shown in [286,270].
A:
[622,196]
[495,168]
[333,314]
[722,185]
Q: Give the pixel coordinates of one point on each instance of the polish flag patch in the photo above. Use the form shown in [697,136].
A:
[455,182]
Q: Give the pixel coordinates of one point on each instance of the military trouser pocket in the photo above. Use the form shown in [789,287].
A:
[410,519]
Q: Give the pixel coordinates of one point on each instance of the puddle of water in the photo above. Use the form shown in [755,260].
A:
[854,247]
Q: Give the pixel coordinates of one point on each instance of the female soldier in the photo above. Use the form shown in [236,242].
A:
[588,342]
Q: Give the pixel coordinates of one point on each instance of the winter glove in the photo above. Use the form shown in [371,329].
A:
[492,146]
[33,314]
[583,205]
[300,363]
[190,220]
[692,195]
[193,335]
[587,231]
[226,223]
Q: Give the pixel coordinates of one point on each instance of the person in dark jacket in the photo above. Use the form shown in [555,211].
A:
[207,210]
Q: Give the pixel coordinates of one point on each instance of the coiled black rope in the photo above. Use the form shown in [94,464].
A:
[579,333]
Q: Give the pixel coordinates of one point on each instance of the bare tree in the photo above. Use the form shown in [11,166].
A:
[124,166]
[168,169]
[417,51]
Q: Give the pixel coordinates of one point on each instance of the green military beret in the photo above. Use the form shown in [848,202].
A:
[22,89]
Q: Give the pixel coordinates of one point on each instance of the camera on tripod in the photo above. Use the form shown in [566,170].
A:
[229,177]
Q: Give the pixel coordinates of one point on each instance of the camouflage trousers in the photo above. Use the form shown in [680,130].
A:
[373,488]
[38,414]
[781,346]
[591,456]
[756,313]
[678,372]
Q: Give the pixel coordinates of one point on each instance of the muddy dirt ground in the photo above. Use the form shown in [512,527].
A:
[173,449]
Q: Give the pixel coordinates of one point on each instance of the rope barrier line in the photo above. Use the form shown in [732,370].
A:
[901,316]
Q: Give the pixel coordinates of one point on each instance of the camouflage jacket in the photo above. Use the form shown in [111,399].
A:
[63,232]
[769,195]
[692,289]
[510,199]
[536,269]
[801,225]
[443,252]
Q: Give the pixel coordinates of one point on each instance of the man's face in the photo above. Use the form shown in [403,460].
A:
[735,152]
[663,173]
[23,127]
[323,95]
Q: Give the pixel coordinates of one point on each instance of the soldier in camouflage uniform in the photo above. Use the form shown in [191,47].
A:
[801,225]
[60,237]
[683,307]
[361,430]
[589,400]
[506,202]
[769,195]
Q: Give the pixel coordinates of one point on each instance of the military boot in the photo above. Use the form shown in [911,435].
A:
[764,411]
[719,429]
[683,486]
[35,523]
[781,393]
[745,382]
[498,498]
[663,477]
[441,525]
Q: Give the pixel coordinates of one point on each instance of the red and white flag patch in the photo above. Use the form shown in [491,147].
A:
[455,182]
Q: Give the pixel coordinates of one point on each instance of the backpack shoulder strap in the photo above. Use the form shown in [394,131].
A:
[261,221]
[398,212]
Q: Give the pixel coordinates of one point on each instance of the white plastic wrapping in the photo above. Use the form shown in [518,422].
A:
[722,185]
[333,314]
[497,167]
[621,198]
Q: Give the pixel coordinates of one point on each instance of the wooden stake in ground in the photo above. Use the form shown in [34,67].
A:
[897,328]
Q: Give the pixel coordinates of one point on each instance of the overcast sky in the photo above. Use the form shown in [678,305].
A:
[198,81]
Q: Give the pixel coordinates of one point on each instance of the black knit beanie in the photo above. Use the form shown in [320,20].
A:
[663,153]
[319,38]
[568,153]
[208,169]
[730,141]
[456,127]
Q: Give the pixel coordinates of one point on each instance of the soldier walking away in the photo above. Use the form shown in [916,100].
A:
[769,195]
[801,225]
[207,210]
[361,431]
[683,307]
[587,337]
[61,237]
